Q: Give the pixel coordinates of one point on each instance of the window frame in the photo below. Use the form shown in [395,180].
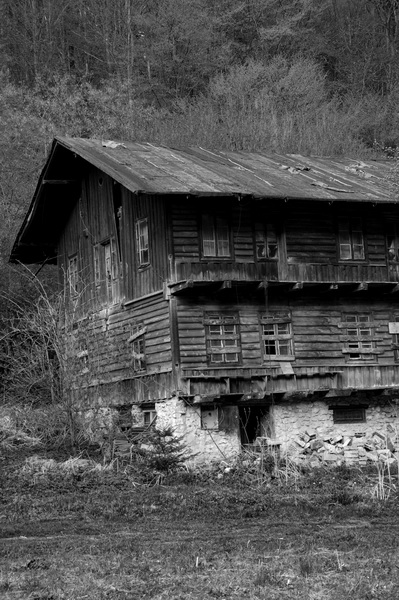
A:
[142,232]
[343,419]
[223,321]
[356,343]
[216,238]
[278,338]
[106,268]
[266,236]
[346,225]
[138,348]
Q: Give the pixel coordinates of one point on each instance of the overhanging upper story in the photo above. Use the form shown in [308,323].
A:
[124,220]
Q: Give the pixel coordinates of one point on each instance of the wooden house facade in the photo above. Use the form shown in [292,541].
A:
[232,296]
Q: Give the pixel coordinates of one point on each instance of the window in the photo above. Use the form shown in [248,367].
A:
[222,338]
[142,243]
[266,241]
[359,332]
[277,337]
[73,275]
[210,418]
[106,269]
[137,339]
[351,242]
[349,414]
[149,417]
[393,242]
[393,327]
[215,236]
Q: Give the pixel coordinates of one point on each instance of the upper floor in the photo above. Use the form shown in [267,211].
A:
[125,221]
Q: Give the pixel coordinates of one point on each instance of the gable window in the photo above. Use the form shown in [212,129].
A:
[266,241]
[142,243]
[351,241]
[349,414]
[215,236]
[73,275]
[222,338]
[106,269]
[393,242]
[359,344]
[277,339]
[137,339]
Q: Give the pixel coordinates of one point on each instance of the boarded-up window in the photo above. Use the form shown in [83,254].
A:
[277,338]
[142,243]
[349,414]
[73,275]
[222,338]
[359,344]
[266,241]
[215,236]
[137,340]
[210,417]
[351,241]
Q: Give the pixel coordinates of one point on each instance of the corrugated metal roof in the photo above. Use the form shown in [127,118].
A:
[157,169]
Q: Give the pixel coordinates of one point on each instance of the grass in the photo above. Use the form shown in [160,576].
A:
[104,535]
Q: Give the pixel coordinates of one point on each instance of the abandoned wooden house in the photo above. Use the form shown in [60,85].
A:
[233,296]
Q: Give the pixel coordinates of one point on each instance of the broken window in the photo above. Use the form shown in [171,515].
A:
[215,236]
[359,344]
[393,242]
[222,338]
[142,243]
[349,414]
[210,418]
[266,241]
[73,275]
[137,339]
[351,241]
[106,269]
[277,339]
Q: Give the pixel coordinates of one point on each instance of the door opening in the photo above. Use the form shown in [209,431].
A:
[254,423]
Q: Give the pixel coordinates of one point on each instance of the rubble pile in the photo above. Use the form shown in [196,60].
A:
[359,449]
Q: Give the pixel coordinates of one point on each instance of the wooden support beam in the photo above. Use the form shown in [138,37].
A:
[395,289]
[333,286]
[297,286]
[59,181]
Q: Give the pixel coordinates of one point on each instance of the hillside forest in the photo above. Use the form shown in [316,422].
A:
[289,76]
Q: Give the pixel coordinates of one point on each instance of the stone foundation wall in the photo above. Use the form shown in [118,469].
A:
[291,420]
[205,445]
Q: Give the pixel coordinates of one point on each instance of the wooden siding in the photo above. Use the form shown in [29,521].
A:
[307,236]
[318,334]
[106,336]
[141,281]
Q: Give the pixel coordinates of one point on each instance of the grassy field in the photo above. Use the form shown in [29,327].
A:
[103,535]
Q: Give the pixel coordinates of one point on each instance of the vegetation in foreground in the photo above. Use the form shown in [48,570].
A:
[73,527]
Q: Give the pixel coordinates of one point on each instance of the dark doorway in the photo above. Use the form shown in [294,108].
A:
[254,422]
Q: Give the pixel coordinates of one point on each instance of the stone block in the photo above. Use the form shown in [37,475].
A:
[329,457]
